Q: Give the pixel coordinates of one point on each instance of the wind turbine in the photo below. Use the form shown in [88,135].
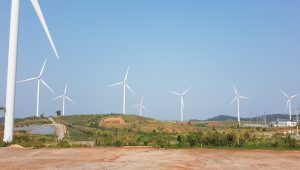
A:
[12,63]
[125,85]
[64,97]
[289,103]
[141,106]
[39,80]
[237,98]
[181,101]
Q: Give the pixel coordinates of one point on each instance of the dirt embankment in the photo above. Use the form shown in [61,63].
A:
[147,158]
[112,122]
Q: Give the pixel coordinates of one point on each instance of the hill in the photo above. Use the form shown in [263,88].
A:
[225,118]
[132,130]
[270,118]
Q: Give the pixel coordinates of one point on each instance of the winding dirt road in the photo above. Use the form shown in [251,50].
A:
[146,158]
[60,129]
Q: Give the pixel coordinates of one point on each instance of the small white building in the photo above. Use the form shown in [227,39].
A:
[291,124]
[284,124]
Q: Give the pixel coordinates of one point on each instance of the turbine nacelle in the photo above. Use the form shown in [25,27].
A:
[181,94]
[289,97]
[39,78]
[237,96]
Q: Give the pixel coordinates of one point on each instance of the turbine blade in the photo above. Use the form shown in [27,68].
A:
[115,84]
[233,100]
[243,97]
[70,99]
[236,92]
[57,97]
[175,93]
[294,96]
[34,78]
[138,105]
[287,104]
[186,91]
[38,10]
[47,86]
[129,88]
[144,108]
[284,94]
[142,100]
[42,70]
[66,86]
[126,75]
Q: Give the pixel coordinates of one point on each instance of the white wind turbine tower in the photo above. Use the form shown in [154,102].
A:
[64,97]
[125,85]
[12,63]
[181,101]
[289,103]
[237,98]
[39,81]
[141,106]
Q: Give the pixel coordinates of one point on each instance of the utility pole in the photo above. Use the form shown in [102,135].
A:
[250,118]
[297,113]
[297,116]
[265,118]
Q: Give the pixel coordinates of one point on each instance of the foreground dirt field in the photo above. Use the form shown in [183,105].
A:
[146,158]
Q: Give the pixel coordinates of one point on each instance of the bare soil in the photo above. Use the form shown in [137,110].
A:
[146,158]
[111,121]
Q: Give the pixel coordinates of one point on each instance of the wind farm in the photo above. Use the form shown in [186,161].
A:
[149,85]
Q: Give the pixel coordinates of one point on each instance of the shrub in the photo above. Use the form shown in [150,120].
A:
[3,144]
[193,139]
[63,144]
[161,140]
[118,143]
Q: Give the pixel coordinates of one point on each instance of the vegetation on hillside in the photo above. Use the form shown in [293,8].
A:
[131,130]
[141,131]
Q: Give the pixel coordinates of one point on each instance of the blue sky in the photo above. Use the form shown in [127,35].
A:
[169,45]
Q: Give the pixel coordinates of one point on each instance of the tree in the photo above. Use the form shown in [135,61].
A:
[2,109]
[58,113]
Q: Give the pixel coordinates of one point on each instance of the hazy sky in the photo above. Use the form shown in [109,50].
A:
[169,45]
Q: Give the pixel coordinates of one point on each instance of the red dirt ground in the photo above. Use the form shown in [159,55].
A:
[146,158]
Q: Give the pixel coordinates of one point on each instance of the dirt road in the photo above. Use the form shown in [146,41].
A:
[146,158]
[60,129]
